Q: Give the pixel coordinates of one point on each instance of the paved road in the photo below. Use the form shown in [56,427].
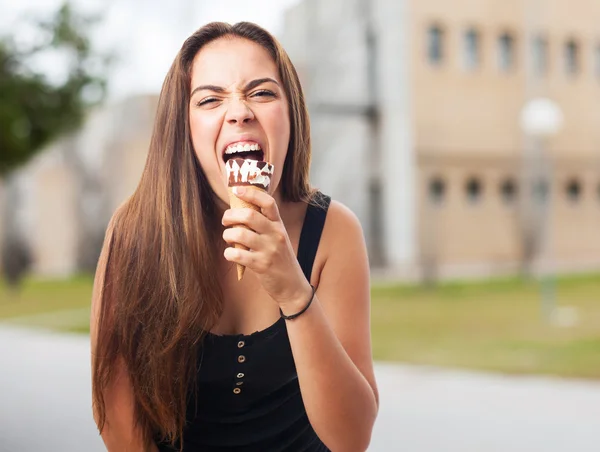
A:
[45,405]
[45,398]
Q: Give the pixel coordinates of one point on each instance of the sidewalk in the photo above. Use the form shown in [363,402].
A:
[45,405]
[434,410]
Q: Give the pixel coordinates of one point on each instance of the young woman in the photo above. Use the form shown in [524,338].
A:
[185,356]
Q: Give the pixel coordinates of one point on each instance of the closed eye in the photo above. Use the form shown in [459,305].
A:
[206,101]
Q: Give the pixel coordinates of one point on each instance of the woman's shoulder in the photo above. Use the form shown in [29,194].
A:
[342,259]
[342,222]
[342,231]
[337,212]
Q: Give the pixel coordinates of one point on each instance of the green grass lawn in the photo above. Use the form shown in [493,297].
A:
[492,325]
[61,305]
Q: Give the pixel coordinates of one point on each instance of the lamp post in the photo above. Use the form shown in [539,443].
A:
[541,119]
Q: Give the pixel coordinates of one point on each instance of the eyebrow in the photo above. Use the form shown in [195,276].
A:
[250,85]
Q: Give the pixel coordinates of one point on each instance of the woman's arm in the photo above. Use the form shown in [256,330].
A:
[119,433]
[331,341]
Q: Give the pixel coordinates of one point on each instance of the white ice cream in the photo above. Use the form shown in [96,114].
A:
[249,172]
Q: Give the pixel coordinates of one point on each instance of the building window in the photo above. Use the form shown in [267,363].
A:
[573,190]
[435,44]
[508,191]
[506,52]
[471,49]
[597,60]
[474,190]
[540,191]
[437,190]
[540,55]
[571,57]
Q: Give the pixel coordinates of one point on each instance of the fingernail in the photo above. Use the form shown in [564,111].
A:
[239,190]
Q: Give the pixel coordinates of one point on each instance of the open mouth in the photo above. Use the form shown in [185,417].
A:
[245,150]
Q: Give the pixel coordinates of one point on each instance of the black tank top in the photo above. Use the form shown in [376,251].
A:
[248,396]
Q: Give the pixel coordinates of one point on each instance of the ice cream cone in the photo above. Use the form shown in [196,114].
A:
[237,203]
[252,174]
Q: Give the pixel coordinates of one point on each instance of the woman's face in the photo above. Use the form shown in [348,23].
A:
[237,103]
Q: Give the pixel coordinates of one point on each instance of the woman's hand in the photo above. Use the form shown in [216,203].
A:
[270,253]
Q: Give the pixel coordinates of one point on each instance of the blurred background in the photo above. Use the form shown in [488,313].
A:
[465,136]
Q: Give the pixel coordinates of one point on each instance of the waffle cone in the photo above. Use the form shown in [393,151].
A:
[237,203]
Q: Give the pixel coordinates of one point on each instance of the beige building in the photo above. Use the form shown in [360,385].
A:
[474,66]
[67,193]
[469,67]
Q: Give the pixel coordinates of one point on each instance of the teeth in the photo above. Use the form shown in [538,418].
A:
[238,148]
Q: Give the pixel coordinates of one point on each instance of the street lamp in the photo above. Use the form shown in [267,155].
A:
[540,119]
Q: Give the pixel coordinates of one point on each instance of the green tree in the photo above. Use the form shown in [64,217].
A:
[34,109]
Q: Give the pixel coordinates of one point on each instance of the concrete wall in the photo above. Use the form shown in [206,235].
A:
[127,148]
[395,134]
[333,65]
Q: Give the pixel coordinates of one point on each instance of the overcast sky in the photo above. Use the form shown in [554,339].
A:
[147,34]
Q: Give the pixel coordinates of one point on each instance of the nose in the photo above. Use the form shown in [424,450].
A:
[238,112]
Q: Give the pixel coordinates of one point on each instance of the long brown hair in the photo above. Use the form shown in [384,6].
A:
[161,290]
